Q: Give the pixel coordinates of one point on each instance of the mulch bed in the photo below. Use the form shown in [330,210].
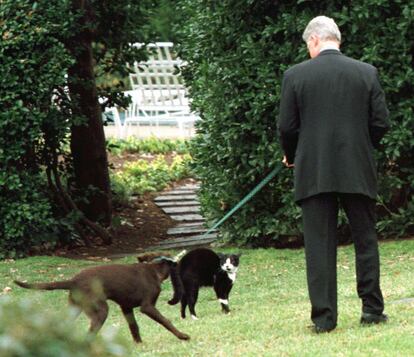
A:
[141,224]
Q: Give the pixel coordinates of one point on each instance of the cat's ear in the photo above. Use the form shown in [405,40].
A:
[221,255]
[238,255]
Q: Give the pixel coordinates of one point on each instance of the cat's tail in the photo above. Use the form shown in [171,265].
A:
[177,285]
[57,285]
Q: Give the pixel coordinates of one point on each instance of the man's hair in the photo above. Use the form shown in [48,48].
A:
[323,27]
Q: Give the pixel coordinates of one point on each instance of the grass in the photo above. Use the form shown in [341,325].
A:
[270,308]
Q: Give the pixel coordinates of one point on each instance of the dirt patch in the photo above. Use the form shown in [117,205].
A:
[138,225]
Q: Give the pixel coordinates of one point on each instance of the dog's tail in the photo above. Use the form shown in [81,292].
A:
[178,257]
[57,285]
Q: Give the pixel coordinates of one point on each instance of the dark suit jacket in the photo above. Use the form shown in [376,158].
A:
[332,115]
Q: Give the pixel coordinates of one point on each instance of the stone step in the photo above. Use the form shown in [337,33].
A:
[184,210]
[175,198]
[187,217]
[190,224]
[177,192]
[184,243]
[188,239]
[187,230]
[177,203]
[181,204]
[185,188]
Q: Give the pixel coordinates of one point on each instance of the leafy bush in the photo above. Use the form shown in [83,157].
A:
[28,330]
[34,63]
[237,52]
[142,176]
[37,50]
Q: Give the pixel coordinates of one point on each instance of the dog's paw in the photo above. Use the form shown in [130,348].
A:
[183,336]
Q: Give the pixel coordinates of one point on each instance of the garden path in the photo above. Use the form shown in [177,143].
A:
[182,205]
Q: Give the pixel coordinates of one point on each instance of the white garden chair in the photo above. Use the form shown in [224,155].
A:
[158,94]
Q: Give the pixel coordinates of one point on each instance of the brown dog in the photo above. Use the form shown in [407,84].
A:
[129,286]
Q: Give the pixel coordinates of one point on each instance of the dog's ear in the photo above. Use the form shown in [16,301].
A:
[143,258]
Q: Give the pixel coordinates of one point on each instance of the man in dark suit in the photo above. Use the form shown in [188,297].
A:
[332,116]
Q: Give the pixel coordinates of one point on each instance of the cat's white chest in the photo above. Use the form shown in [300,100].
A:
[230,269]
[232,276]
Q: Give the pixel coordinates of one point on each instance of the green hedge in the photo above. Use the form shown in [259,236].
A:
[36,113]
[33,65]
[237,51]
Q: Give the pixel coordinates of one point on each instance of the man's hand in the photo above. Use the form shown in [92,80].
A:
[286,162]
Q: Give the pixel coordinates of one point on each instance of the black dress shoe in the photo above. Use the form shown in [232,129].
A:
[368,318]
[317,329]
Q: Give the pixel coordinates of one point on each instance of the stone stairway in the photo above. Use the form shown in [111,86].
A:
[182,205]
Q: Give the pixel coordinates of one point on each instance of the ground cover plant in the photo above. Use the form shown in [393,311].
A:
[150,145]
[141,176]
[148,165]
[270,308]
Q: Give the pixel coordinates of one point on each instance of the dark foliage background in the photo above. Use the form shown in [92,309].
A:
[237,51]
[37,113]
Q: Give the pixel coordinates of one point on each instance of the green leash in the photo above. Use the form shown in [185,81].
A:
[247,198]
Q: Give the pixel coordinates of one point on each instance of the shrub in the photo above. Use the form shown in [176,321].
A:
[37,51]
[237,52]
[34,63]
[28,330]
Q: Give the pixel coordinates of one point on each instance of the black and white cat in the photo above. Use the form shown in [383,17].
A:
[203,267]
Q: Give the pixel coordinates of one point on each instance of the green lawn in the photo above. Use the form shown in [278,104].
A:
[270,308]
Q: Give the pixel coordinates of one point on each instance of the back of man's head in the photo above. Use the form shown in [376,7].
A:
[324,28]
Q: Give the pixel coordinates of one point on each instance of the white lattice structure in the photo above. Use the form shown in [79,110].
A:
[158,94]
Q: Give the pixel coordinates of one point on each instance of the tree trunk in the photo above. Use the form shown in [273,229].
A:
[88,140]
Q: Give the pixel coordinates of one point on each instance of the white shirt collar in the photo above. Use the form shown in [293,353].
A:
[329,47]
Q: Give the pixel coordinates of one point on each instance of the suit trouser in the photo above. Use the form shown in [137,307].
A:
[320,218]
